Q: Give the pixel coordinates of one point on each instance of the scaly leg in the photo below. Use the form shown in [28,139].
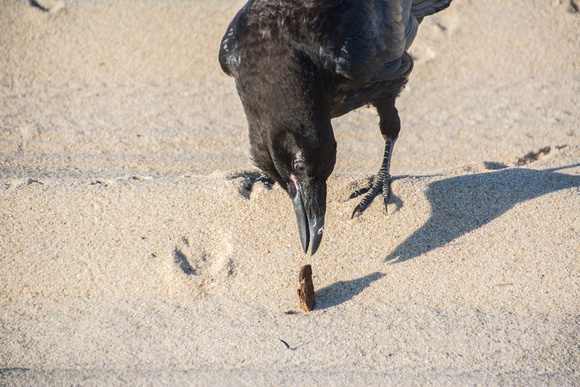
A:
[390,125]
[381,183]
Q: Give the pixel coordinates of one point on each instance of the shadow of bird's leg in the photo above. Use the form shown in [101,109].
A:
[390,125]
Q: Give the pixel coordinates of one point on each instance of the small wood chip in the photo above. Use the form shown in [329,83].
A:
[306,291]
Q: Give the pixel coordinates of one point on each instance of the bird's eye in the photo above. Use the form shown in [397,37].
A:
[299,166]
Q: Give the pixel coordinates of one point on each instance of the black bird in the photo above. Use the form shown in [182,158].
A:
[297,65]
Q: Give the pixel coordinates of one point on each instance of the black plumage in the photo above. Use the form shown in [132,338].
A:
[297,65]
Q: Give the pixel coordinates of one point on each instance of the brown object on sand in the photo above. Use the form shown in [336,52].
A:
[306,291]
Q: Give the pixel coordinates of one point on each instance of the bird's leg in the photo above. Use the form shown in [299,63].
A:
[390,125]
[381,182]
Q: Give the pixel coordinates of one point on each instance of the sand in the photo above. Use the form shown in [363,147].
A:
[138,244]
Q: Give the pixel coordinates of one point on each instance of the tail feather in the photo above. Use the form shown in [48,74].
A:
[422,8]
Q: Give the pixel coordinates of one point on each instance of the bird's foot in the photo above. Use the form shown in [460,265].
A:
[379,184]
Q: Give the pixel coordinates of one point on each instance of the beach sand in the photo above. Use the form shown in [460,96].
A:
[138,244]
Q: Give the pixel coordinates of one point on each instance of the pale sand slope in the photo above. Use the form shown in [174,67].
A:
[136,246]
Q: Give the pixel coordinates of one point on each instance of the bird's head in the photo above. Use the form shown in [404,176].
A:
[301,161]
[286,98]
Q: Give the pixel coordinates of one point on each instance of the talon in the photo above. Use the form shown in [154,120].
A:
[358,192]
[387,194]
[356,209]
[368,199]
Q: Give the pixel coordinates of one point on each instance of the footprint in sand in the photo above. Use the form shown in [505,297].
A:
[208,259]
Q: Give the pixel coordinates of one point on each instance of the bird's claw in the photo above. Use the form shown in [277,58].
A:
[379,185]
[359,192]
[387,195]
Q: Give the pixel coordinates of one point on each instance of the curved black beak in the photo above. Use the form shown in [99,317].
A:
[310,207]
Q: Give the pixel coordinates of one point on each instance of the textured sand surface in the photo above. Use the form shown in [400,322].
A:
[139,245]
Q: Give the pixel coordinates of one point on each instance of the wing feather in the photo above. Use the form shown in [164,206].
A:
[377,35]
[363,40]
[422,8]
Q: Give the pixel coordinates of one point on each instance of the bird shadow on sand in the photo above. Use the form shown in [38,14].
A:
[342,291]
[464,203]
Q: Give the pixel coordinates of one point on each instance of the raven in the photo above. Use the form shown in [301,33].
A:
[298,64]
